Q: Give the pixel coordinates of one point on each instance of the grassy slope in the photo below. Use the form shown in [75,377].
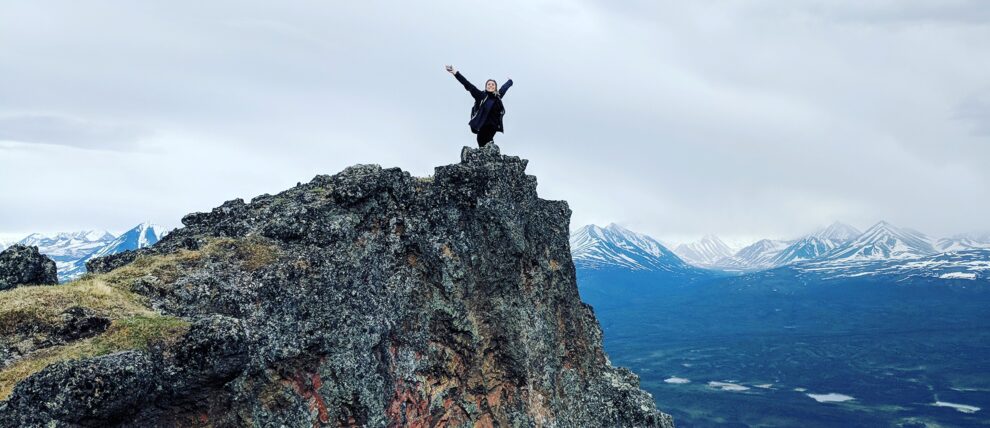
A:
[134,324]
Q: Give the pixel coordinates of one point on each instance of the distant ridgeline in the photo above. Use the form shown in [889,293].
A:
[886,327]
[72,250]
[838,251]
[366,298]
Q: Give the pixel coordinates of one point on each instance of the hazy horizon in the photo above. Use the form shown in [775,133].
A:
[735,242]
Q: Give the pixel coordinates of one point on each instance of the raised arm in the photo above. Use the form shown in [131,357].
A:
[467,85]
[505,87]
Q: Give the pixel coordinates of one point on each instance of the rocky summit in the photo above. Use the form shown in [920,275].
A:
[22,264]
[366,298]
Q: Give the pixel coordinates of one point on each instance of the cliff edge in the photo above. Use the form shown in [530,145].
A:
[366,298]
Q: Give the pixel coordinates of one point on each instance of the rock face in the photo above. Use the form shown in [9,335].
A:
[21,265]
[367,298]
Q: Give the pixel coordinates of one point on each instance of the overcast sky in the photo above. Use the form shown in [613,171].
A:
[745,119]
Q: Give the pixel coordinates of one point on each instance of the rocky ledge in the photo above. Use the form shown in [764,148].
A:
[366,298]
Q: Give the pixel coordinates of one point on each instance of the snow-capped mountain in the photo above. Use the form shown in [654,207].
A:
[71,250]
[808,248]
[758,255]
[884,241]
[771,253]
[142,235]
[960,243]
[981,237]
[837,232]
[816,245]
[707,252]
[68,245]
[899,254]
[836,251]
[613,246]
[67,249]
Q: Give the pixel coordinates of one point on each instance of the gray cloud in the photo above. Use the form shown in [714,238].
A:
[952,12]
[676,118]
[67,131]
[975,110]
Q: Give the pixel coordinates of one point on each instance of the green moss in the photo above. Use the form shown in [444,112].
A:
[140,333]
[320,191]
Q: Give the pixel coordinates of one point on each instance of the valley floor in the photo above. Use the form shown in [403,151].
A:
[778,355]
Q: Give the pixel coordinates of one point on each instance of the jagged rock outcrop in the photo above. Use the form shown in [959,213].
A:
[21,265]
[366,298]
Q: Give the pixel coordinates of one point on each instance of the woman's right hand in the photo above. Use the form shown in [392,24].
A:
[450,69]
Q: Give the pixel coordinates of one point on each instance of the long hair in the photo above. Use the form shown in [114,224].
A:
[496,86]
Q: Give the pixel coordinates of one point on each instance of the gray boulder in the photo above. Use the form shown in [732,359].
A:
[24,265]
[91,393]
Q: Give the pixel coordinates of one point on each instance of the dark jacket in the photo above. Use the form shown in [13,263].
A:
[487,107]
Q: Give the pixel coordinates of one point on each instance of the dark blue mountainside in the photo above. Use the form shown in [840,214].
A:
[615,265]
[848,338]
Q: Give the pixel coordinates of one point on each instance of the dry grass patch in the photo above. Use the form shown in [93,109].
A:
[165,267]
[446,251]
[140,332]
[134,325]
[253,252]
[42,304]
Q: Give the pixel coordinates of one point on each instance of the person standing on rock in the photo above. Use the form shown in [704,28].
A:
[487,112]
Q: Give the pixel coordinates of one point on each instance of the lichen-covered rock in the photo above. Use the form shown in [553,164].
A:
[79,323]
[374,298]
[24,265]
[95,392]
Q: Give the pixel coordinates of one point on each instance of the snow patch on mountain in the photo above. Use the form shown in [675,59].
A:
[143,235]
[946,245]
[809,248]
[885,241]
[613,246]
[758,255]
[966,265]
[837,232]
[68,245]
[709,251]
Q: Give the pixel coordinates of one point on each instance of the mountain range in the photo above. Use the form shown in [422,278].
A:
[71,250]
[613,246]
[836,250]
[780,321]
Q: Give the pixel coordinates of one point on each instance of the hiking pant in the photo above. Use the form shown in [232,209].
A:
[486,135]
